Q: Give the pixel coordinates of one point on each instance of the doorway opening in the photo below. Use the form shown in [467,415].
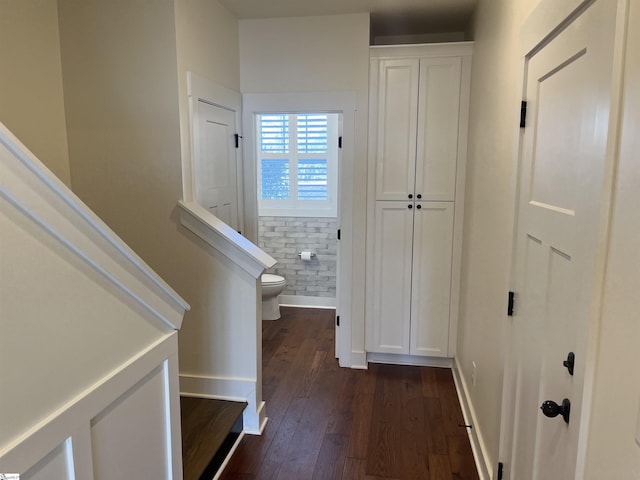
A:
[297,194]
[304,116]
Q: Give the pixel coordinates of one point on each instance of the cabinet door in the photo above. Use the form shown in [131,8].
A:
[391,299]
[397,120]
[431,278]
[438,119]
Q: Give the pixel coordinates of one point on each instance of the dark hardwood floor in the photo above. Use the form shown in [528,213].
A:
[207,426]
[327,422]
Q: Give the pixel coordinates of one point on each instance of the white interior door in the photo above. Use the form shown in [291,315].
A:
[563,161]
[215,163]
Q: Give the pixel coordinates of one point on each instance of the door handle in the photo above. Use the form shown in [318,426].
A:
[551,409]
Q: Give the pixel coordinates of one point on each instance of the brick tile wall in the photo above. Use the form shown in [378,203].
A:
[284,237]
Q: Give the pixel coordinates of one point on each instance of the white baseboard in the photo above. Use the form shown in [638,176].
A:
[262,418]
[478,446]
[306,301]
[232,389]
[358,360]
[395,359]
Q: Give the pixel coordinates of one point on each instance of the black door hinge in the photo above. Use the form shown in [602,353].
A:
[510,304]
[500,468]
[340,141]
[237,137]
[338,234]
[338,320]
[523,114]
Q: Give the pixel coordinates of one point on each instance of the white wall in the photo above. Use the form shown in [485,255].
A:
[83,322]
[319,54]
[31,101]
[120,66]
[612,452]
[56,310]
[494,110]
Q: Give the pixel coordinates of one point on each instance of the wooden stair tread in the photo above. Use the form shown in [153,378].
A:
[206,424]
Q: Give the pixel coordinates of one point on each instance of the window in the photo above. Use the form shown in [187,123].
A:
[297,162]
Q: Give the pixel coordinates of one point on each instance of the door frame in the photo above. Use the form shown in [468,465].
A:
[332,102]
[545,22]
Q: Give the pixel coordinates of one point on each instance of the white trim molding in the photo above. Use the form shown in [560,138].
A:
[74,419]
[420,361]
[305,301]
[449,49]
[37,194]
[224,239]
[478,445]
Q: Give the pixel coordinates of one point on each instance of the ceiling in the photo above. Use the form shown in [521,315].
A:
[388,16]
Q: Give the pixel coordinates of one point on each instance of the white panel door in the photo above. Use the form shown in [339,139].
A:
[389,331]
[396,129]
[431,278]
[439,112]
[561,192]
[215,163]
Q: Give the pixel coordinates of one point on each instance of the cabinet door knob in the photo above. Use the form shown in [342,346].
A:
[419,196]
[409,206]
[418,207]
[410,196]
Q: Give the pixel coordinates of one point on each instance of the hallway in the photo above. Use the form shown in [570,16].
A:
[392,422]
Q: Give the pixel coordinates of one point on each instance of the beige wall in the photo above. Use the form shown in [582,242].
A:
[207,44]
[31,100]
[612,452]
[120,69]
[305,54]
[495,100]
[319,54]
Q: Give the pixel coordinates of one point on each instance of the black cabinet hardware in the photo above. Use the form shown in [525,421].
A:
[569,362]
[552,409]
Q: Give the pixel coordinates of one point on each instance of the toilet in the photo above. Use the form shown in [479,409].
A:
[272,286]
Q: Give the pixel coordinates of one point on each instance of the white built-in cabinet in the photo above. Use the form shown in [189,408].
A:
[417,152]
